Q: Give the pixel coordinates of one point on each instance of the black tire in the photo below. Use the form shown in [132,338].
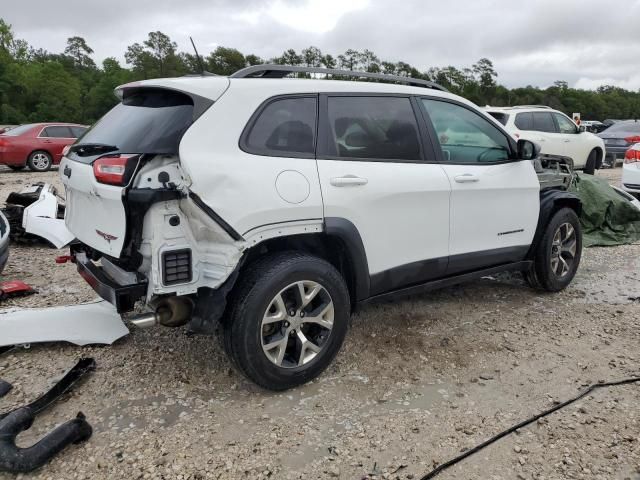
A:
[253,297]
[543,275]
[16,168]
[590,166]
[39,161]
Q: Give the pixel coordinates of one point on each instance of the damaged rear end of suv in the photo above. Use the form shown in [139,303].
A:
[145,240]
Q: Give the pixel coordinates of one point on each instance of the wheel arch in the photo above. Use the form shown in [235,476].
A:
[339,243]
[550,202]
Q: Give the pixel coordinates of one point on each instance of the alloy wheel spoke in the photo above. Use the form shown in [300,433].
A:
[324,318]
[280,346]
[307,297]
[306,345]
[569,248]
[280,311]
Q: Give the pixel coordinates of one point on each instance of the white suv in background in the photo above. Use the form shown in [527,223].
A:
[556,134]
[277,206]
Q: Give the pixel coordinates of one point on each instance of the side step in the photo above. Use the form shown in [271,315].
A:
[450,281]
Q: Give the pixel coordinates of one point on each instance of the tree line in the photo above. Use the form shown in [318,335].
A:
[37,85]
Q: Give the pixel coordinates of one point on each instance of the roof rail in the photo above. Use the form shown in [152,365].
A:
[532,106]
[280,71]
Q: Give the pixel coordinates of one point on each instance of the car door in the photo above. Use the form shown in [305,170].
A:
[494,197]
[551,141]
[377,174]
[574,148]
[55,138]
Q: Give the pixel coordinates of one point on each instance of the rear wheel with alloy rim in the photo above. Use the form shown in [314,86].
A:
[558,253]
[39,161]
[287,320]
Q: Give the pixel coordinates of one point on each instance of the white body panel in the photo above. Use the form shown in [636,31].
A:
[85,324]
[401,212]
[492,206]
[631,173]
[40,218]
[93,210]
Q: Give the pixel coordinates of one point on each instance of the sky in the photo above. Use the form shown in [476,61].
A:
[587,43]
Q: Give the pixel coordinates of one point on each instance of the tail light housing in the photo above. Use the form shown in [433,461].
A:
[65,150]
[632,156]
[634,139]
[114,169]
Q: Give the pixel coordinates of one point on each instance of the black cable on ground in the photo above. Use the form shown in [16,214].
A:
[468,453]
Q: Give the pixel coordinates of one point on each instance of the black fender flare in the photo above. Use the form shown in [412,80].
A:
[550,202]
[349,235]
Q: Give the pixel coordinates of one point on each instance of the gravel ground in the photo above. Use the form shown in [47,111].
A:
[417,382]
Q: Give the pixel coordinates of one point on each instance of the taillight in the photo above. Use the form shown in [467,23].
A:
[65,150]
[113,170]
[632,156]
[634,139]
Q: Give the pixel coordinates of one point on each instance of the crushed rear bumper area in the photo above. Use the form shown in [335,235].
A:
[123,297]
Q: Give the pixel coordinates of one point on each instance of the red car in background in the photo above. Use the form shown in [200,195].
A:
[37,145]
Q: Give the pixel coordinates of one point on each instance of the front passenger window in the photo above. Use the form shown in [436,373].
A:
[564,124]
[465,136]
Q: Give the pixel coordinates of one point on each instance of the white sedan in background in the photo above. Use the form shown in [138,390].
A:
[631,168]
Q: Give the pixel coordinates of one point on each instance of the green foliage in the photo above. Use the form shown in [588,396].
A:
[36,85]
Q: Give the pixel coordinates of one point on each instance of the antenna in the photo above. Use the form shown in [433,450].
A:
[202,71]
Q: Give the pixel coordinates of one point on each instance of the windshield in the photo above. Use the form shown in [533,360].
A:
[633,127]
[14,132]
[148,120]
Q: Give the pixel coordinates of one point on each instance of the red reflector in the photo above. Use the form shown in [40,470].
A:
[632,156]
[65,259]
[634,139]
[111,170]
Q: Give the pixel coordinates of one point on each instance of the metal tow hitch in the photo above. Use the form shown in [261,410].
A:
[14,459]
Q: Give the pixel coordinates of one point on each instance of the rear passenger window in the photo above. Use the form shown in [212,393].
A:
[543,122]
[285,127]
[57,132]
[373,128]
[524,121]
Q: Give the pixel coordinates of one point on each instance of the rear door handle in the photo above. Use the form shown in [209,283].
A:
[348,181]
[466,178]
[567,141]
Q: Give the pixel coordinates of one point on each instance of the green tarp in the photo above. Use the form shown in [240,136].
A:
[607,219]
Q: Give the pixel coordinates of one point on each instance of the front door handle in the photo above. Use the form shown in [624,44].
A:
[466,178]
[348,181]
[567,141]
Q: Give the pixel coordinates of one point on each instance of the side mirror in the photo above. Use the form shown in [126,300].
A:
[527,150]
[582,128]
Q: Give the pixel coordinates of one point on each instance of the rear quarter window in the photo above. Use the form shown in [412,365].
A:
[503,118]
[524,121]
[283,127]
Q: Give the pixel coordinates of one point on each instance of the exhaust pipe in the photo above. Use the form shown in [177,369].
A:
[170,312]
[144,320]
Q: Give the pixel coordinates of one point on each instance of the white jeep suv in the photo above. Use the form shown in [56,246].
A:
[556,134]
[277,206]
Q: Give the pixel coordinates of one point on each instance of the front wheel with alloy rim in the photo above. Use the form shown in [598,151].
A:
[287,320]
[39,161]
[558,253]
